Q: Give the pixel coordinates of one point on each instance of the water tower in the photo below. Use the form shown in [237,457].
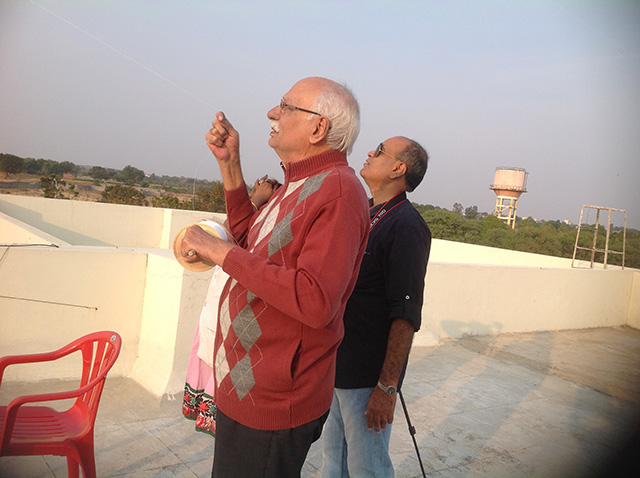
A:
[508,184]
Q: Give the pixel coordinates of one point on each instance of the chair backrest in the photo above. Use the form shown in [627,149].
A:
[99,352]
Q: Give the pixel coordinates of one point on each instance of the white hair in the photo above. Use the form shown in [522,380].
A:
[338,104]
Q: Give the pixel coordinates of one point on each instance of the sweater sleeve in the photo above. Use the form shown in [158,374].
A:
[239,214]
[315,288]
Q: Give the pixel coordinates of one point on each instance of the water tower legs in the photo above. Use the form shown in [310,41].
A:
[506,210]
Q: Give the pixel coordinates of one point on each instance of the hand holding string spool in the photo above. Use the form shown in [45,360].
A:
[210,226]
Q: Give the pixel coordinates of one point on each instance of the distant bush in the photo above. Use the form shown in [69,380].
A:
[169,202]
[55,187]
[119,194]
[206,199]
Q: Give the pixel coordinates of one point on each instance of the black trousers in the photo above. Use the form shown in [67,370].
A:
[243,452]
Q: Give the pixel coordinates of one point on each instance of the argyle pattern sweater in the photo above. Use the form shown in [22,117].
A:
[280,317]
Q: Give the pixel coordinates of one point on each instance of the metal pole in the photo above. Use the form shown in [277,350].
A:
[606,242]
[624,237]
[575,247]
[412,431]
[595,237]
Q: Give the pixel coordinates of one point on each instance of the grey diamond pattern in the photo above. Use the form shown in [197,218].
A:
[246,327]
[281,235]
[242,377]
[311,185]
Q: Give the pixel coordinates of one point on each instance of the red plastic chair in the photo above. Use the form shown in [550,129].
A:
[41,430]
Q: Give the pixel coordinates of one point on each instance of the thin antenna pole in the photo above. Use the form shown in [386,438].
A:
[412,432]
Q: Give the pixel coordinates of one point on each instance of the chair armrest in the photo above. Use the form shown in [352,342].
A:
[54,396]
[34,358]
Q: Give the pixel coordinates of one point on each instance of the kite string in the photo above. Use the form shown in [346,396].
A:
[140,64]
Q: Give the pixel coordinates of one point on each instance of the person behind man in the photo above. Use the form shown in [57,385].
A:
[197,401]
[280,318]
[382,314]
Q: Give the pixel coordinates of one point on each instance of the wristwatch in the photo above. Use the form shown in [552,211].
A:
[388,389]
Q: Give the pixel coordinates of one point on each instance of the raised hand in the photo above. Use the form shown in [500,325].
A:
[262,190]
[223,140]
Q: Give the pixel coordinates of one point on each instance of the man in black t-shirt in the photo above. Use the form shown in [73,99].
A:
[381,317]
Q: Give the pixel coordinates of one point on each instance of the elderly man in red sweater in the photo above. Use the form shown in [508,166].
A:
[295,265]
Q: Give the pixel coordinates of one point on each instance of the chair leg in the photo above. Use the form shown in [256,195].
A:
[72,467]
[89,468]
[87,459]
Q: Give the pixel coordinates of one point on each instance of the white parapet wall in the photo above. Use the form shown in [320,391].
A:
[633,317]
[461,253]
[50,296]
[471,299]
[173,299]
[68,268]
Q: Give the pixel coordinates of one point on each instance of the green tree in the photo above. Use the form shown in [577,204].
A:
[539,240]
[31,166]
[98,172]
[49,167]
[422,208]
[632,249]
[493,222]
[11,164]
[499,237]
[528,222]
[119,194]
[132,175]
[494,232]
[471,212]
[68,167]
[445,224]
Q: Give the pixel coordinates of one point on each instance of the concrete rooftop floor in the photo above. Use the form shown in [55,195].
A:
[547,404]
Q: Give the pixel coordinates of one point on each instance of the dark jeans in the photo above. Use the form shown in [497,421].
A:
[243,452]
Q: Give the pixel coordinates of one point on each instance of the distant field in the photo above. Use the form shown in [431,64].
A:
[29,185]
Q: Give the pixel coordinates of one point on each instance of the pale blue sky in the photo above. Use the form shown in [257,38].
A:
[549,86]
